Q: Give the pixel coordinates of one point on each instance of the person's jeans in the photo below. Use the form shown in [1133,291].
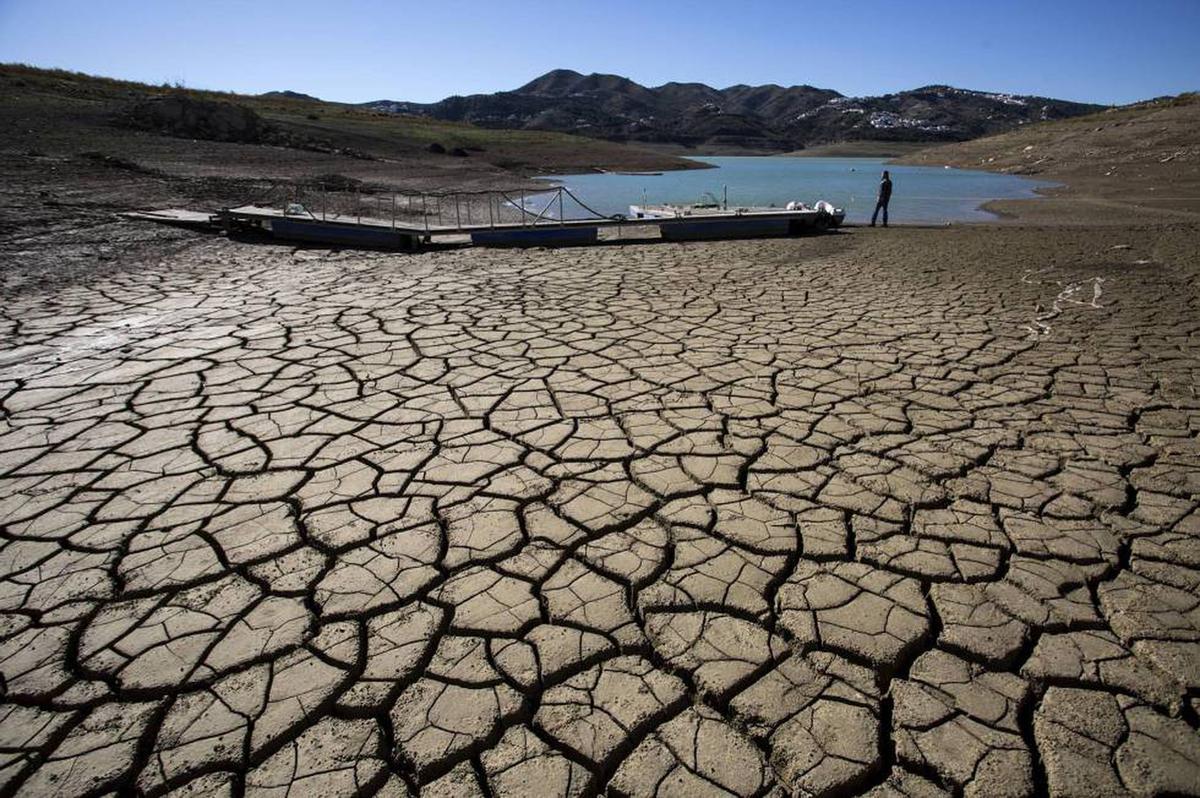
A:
[881,205]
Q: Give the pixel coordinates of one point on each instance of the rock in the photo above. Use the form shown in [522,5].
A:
[189,117]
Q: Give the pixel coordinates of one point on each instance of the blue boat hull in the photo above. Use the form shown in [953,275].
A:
[738,227]
[350,235]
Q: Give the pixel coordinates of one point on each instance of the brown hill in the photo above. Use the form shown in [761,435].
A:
[179,131]
[75,148]
[1144,156]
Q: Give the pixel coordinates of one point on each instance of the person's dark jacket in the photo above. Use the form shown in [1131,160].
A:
[885,190]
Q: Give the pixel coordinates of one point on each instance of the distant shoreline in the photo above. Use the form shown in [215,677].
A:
[861,149]
[844,149]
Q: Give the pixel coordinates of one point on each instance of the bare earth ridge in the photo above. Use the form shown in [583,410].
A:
[905,512]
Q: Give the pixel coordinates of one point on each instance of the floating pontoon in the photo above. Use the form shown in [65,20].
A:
[490,218]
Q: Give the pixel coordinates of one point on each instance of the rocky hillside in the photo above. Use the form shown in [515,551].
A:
[763,117]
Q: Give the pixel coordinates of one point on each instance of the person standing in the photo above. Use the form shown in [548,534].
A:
[885,196]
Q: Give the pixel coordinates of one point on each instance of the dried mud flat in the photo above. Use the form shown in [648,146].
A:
[907,512]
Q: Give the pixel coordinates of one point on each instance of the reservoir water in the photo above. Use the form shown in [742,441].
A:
[922,194]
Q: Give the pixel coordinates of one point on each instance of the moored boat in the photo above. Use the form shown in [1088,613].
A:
[712,220]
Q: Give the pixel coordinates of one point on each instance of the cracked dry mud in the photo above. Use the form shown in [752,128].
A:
[806,517]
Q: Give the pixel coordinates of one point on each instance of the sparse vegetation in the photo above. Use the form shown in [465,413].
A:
[336,182]
[113,161]
[55,109]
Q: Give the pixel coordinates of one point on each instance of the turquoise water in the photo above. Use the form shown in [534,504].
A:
[921,194]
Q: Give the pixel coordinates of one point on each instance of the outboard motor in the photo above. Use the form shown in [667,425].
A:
[830,213]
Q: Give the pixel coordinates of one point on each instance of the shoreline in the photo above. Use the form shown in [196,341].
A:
[985,206]
[1126,164]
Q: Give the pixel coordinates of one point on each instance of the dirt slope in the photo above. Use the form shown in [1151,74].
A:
[60,113]
[1143,157]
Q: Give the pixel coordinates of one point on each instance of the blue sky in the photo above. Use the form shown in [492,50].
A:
[423,50]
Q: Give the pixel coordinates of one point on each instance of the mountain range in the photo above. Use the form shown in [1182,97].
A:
[766,117]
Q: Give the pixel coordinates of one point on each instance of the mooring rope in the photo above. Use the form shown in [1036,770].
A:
[597,214]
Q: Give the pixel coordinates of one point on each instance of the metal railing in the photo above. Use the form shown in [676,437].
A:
[432,211]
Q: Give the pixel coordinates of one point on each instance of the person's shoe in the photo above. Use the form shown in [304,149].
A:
[872,224]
